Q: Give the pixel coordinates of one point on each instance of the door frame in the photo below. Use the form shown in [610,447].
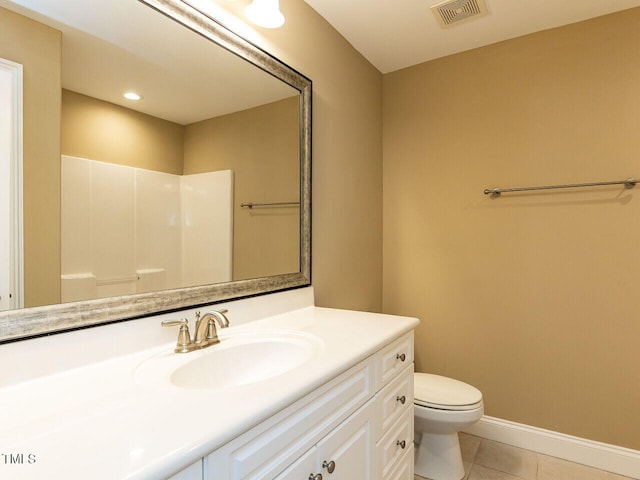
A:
[11,213]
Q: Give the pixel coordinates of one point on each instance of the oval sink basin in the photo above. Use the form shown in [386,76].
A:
[238,359]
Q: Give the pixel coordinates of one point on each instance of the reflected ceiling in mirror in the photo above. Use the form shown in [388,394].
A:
[222,104]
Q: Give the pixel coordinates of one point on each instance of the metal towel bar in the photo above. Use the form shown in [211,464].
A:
[273,204]
[495,192]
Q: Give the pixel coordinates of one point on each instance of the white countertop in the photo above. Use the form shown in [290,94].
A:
[98,421]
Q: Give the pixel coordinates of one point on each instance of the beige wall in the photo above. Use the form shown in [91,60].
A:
[530,297]
[261,146]
[106,132]
[347,157]
[38,49]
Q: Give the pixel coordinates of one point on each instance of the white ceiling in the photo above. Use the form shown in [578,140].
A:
[394,34]
[391,34]
[111,46]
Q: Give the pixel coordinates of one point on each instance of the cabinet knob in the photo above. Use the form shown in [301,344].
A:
[330,466]
[401,399]
[315,477]
[401,356]
[401,444]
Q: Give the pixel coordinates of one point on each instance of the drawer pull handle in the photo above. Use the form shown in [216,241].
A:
[315,477]
[401,356]
[401,399]
[401,444]
[330,466]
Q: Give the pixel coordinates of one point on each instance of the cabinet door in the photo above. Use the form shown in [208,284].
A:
[192,472]
[268,449]
[302,468]
[347,452]
[404,470]
[393,446]
[393,358]
[394,399]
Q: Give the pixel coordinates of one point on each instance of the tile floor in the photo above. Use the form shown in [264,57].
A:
[488,460]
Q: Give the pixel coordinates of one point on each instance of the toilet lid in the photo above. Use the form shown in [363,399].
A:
[444,393]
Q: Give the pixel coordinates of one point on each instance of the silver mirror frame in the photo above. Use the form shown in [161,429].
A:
[36,321]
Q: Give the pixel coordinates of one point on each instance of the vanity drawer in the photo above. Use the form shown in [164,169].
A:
[395,398]
[266,450]
[302,467]
[404,470]
[192,472]
[393,358]
[395,443]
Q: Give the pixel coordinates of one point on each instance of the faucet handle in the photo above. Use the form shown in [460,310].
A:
[184,344]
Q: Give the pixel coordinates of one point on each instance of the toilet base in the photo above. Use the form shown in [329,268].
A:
[438,457]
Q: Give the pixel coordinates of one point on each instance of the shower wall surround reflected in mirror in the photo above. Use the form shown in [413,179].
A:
[114,189]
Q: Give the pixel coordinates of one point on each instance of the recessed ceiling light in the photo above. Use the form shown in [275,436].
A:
[265,13]
[132,96]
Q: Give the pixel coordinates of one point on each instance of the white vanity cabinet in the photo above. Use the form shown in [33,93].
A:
[358,426]
[331,390]
[394,401]
[347,452]
[192,472]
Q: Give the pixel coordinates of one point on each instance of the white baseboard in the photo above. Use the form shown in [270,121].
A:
[619,460]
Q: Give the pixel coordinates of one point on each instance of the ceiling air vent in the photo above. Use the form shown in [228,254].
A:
[452,12]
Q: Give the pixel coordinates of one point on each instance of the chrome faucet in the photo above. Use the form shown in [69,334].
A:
[206,333]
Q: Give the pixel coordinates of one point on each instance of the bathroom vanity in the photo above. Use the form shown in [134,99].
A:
[292,391]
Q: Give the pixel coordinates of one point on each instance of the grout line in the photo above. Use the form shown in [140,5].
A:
[601,456]
[473,462]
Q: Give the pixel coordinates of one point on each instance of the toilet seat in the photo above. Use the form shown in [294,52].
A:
[443,393]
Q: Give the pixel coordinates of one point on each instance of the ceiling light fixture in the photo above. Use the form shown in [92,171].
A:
[132,96]
[265,13]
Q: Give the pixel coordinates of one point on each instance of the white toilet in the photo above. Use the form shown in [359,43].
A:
[443,407]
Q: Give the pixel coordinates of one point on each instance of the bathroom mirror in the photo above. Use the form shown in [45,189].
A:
[202,85]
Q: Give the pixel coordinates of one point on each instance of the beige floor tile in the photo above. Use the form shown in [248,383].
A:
[469,445]
[488,460]
[478,472]
[505,458]
[550,468]
[467,469]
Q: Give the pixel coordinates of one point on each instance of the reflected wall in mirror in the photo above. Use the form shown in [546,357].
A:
[129,197]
